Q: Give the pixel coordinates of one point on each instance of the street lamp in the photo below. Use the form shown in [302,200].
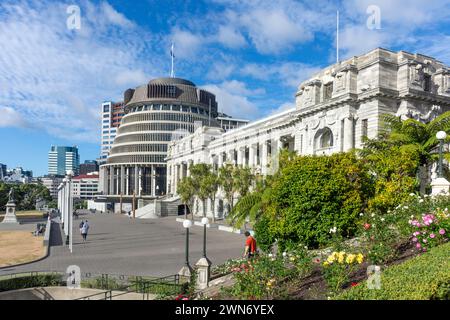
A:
[69,240]
[187,269]
[205,221]
[441,135]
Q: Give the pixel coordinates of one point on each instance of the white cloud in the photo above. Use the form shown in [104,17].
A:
[274,31]
[11,118]
[186,43]
[283,107]
[56,78]
[115,17]
[230,37]
[233,103]
[290,74]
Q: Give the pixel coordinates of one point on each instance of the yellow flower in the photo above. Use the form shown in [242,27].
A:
[326,264]
[350,258]
[341,257]
[359,258]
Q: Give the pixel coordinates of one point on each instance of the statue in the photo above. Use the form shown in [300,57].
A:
[11,195]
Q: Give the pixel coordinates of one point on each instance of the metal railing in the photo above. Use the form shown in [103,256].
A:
[126,284]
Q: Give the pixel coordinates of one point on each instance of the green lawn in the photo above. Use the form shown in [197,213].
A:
[26,214]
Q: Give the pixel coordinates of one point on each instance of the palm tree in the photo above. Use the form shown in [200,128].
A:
[419,135]
[251,205]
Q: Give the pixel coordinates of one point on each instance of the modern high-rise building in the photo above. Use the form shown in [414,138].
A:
[62,159]
[112,114]
[88,166]
[2,171]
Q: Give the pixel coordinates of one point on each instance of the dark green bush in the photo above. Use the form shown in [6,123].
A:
[422,278]
[41,280]
[313,194]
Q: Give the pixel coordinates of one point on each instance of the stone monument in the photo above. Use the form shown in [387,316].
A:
[10,216]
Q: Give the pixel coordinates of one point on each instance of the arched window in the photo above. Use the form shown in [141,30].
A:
[323,139]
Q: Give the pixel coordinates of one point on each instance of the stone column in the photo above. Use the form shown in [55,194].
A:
[136,180]
[349,133]
[127,181]
[220,161]
[251,155]
[153,178]
[117,174]
[122,179]
[140,181]
[240,156]
[263,156]
[111,180]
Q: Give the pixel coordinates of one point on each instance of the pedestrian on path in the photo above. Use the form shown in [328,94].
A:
[81,226]
[84,230]
[250,246]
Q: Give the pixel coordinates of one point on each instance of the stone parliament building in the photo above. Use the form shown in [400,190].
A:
[334,110]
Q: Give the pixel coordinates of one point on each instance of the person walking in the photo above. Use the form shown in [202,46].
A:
[250,246]
[84,230]
[81,226]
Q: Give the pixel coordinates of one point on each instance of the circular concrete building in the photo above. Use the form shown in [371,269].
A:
[155,113]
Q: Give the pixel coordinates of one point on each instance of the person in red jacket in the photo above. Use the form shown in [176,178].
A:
[250,246]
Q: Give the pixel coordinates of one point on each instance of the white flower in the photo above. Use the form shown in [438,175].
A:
[389,211]
[405,207]
[361,214]
[421,200]
[270,255]
[373,215]
[333,230]
[284,254]
[382,219]
[412,194]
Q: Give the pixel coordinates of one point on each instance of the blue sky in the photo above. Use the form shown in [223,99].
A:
[251,54]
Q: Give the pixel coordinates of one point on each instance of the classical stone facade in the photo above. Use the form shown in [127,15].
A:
[335,109]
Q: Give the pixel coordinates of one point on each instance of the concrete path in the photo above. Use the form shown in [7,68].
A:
[123,246]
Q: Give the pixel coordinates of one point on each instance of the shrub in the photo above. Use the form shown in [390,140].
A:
[422,278]
[311,195]
[266,276]
[31,281]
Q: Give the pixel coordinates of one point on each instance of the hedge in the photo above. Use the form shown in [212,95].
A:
[425,277]
[31,281]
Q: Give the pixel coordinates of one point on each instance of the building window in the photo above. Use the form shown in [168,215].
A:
[364,129]
[328,91]
[323,139]
[105,108]
[427,83]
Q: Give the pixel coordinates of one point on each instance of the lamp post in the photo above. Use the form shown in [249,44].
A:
[203,265]
[205,221]
[441,135]
[187,269]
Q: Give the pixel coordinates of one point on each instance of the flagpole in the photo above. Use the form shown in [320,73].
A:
[171,55]
[337,36]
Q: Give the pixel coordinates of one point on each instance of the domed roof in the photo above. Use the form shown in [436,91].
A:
[172,81]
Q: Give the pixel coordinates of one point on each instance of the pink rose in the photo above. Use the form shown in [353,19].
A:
[424,240]
[414,239]
[432,236]
[418,245]
[442,231]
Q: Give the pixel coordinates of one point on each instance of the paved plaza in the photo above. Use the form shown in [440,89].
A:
[119,245]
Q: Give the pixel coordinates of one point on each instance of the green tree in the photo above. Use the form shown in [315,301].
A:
[186,190]
[227,183]
[211,185]
[199,173]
